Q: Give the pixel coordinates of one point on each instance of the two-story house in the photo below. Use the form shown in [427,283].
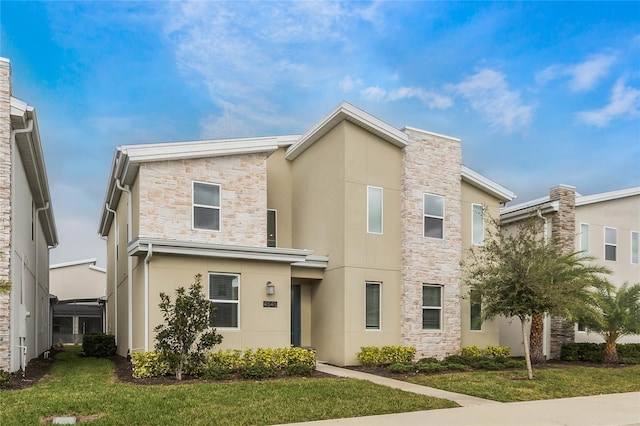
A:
[27,231]
[604,226]
[349,235]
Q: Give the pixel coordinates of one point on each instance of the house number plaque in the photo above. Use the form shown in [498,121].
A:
[269,304]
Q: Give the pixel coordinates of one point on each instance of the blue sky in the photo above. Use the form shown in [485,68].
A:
[541,93]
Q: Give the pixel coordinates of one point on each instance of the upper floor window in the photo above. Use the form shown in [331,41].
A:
[431,307]
[433,216]
[477,224]
[634,247]
[374,210]
[372,305]
[584,239]
[206,206]
[271,228]
[610,243]
[224,292]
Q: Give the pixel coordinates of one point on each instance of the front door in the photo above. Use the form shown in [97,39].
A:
[295,315]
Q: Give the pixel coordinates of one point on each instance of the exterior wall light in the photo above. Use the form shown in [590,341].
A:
[271,289]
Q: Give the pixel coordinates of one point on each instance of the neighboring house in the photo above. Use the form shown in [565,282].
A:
[349,235]
[27,231]
[604,226]
[78,292]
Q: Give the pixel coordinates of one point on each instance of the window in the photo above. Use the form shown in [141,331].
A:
[271,228]
[584,239]
[634,247]
[223,292]
[206,206]
[581,327]
[431,307]
[433,216]
[477,224]
[610,243]
[372,306]
[476,310]
[374,210]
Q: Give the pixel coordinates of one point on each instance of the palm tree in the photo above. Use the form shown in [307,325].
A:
[612,314]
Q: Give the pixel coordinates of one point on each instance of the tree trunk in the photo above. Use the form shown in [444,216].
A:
[535,339]
[527,355]
[610,351]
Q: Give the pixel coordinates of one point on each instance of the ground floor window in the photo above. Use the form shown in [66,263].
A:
[431,307]
[372,305]
[476,310]
[224,290]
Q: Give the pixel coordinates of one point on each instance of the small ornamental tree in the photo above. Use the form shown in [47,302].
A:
[186,331]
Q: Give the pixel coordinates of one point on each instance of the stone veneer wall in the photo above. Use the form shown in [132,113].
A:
[431,165]
[5,210]
[563,229]
[166,199]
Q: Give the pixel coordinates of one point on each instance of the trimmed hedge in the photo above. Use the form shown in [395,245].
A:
[99,345]
[385,355]
[628,353]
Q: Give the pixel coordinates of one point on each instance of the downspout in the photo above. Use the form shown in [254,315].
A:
[147,259]
[545,324]
[115,269]
[129,268]
[35,239]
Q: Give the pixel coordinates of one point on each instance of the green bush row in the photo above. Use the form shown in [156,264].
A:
[5,376]
[385,355]
[628,353]
[252,364]
[456,363]
[488,351]
[99,345]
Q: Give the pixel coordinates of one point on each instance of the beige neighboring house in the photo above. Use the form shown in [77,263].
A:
[27,232]
[604,226]
[349,235]
[78,291]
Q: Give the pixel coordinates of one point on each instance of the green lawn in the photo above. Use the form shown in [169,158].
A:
[87,387]
[554,381]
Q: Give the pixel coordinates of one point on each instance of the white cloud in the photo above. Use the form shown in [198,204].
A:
[373,93]
[624,102]
[489,95]
[431,99]
[583,76]
[348,83]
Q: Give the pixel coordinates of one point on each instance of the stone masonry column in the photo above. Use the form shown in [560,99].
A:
[5,211]
[563,229]
[431,164]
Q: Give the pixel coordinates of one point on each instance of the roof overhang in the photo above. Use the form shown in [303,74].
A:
[527,210]
[348,112]
[25,131]
[297,257]
[607,196]
[487,185]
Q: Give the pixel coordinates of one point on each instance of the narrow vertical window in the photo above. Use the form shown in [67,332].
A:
[634,247]
[431,307]
[433,216]
[374,210]
[206,206]
[372,305]
[610,243]
[476,310]
[224,293]
[477,224]
[584,239]
[271,228]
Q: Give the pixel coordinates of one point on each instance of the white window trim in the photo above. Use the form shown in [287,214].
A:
[424,215]
[473,206]
[237,302]
[470,322]
[434,307]
[588,239]
[631,247]
[379,283]
[608,244]
[276,233]
[194,205]
[369,231]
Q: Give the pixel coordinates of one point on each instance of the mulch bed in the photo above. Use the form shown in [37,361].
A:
[36,369]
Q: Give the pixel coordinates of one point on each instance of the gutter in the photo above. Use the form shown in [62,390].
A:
[35,240]
[147,259]
[115,269]
[129,268]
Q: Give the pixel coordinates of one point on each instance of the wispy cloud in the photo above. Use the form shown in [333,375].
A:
[623,103]
[582,76]
[430,99]
[489,95]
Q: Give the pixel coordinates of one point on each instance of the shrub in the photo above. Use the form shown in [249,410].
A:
[628,360]
[456,367]
[259,363]
[458,359]
[370,355]
[515,363]
[99,345]
[299,369]
[148,364]
[629,350]
[497,351]
[471,351]
[399,368]
[586,352]
[216,372]
[487,364]
[5,376]
[258,371]
[373,355]
[230,359]
[430,367]
[430,360]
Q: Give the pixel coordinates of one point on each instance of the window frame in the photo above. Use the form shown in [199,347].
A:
[369,221]
[194,205]
[439,308]
[614,245]
[425,215]
[471,304]
[226,301]
[637,248]
[585,239]
[366,287]
[275,222]
[473,226]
